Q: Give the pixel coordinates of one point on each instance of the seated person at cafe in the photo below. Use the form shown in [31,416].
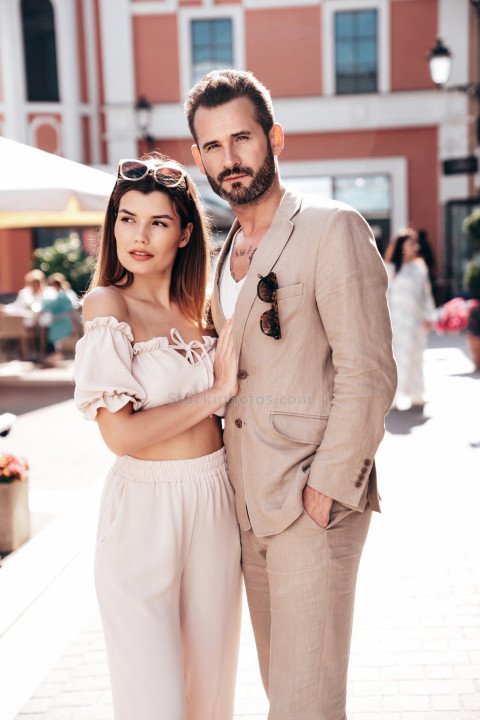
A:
[76,314]
[59,309]
[30,298]
[74,299]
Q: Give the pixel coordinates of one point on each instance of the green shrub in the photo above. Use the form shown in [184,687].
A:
[471,279]
[68,257]
[471,225]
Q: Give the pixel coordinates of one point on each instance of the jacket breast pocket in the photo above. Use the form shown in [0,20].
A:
[290,291]
[307,429]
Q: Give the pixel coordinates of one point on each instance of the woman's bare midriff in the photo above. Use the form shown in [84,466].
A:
[202,439]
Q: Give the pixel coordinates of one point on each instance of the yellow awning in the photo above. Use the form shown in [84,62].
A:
[72,216]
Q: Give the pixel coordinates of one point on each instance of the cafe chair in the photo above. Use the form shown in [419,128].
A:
[13,331]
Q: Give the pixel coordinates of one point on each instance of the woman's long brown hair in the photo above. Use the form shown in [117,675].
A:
[190,268]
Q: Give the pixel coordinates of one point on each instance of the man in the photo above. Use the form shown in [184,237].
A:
[316,378]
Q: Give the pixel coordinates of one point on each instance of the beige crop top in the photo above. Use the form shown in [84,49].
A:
[111,370]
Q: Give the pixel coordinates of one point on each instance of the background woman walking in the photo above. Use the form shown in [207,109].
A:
[412,309]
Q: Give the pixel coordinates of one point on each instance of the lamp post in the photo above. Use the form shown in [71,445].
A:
[440,64]
[143,113]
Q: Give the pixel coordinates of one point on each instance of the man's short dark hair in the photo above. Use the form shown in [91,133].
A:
[222,86]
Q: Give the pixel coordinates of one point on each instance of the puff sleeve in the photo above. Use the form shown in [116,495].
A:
[103,368]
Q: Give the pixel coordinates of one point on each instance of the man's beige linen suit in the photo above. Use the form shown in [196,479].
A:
[310,409]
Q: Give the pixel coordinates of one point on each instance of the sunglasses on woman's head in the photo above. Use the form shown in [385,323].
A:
[267,292]
[164,174]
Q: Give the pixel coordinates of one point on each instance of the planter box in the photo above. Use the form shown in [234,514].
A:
[14,515]
[474,343]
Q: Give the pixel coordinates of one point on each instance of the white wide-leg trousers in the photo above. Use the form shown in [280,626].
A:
[168,578]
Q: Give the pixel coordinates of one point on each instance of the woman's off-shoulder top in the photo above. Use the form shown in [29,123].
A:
[111,370]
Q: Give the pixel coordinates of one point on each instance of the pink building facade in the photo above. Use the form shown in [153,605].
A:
[349,79]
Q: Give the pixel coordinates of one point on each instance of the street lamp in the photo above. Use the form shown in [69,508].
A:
[143,112]
[440,64]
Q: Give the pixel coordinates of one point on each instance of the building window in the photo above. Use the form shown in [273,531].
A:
[212,46]
[39,50]
[371,195]
[356,52]
[367,193]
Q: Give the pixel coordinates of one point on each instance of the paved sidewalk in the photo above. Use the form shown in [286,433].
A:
[20,372]
[416,644]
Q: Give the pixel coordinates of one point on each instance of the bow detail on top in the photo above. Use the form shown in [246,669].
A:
[191,349]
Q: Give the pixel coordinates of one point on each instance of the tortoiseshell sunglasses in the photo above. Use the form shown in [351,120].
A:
[267,292]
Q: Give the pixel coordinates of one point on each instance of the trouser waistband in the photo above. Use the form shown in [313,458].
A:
[170,470]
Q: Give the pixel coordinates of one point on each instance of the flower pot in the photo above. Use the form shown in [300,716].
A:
[14,515]
[474,344]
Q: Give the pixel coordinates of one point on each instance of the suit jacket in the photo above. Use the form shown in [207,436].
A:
[311,405]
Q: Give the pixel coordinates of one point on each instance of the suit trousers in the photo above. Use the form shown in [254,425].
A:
[168,579]
[301,586]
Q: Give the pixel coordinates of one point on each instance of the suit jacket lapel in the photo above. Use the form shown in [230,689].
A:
[266,256]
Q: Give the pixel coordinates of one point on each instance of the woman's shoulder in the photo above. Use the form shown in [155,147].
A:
[105,302]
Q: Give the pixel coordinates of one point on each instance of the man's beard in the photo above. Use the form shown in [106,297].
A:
[239,195]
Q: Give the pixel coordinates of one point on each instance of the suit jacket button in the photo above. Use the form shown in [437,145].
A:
[364,470]
[358,483]
[242,374]
[367,462]
[238,423]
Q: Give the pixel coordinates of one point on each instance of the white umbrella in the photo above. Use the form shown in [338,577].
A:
[41,189]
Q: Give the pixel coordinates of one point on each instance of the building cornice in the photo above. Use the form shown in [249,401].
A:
[353,113]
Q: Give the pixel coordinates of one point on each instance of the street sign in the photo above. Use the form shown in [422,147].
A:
[460,166]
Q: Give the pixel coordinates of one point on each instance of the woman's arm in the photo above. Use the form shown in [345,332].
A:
[387,258]
[427,296]
[125,431]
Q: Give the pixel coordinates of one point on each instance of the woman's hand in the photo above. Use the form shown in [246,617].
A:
[225,366]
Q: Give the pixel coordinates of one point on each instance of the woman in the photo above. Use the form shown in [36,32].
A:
[167,558]
[65,285]
[75,312]
[57,309]
[412,310]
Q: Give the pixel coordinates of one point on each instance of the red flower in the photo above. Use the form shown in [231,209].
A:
[454,315]
[12,468]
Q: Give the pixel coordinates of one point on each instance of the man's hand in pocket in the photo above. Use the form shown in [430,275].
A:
[317,505]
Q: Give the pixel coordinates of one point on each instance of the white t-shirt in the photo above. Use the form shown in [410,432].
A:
[228,287]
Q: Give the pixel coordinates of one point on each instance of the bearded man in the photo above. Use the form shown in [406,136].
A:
[306,287]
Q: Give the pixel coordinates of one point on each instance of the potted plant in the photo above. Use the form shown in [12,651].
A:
[454,316]
[471,226]
[14,512]
[471,283]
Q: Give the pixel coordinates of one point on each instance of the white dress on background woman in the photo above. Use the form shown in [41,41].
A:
[411,304]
